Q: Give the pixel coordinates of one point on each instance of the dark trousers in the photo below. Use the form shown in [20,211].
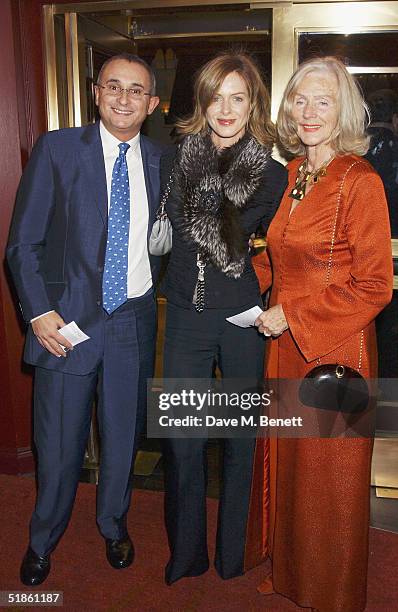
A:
[62,415]
[192,342]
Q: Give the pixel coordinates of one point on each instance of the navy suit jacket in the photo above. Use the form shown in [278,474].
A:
[56,247]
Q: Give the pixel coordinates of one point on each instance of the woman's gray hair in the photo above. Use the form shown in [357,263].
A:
[349,136]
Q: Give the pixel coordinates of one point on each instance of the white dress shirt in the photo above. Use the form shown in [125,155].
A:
[139,277]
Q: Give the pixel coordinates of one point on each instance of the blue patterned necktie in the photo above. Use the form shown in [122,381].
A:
[114,282]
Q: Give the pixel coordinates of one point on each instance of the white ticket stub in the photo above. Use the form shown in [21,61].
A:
[246,318]
[73,333]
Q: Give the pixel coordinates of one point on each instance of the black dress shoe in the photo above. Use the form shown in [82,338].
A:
[120,553]
[34,569]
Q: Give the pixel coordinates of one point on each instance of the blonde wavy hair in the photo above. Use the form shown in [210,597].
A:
[207,82]
[349,136]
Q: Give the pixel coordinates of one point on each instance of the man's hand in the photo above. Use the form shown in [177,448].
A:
[272,322]
[46,331]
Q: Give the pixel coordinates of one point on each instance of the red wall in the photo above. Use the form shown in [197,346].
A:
[22,120]
[15,398]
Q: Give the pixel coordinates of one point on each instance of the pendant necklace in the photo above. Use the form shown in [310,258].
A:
[305,178]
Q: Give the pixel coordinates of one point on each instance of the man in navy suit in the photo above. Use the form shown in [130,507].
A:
[78,252]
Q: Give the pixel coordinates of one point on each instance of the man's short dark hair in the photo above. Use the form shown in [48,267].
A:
[134,59]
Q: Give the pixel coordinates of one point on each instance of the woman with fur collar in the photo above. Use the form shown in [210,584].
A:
[225,185]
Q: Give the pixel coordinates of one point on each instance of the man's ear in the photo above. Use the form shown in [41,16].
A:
[153,103]
[96,93]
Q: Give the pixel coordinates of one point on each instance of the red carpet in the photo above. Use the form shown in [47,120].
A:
[80,570]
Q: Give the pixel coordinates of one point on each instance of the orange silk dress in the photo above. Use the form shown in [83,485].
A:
[310,497]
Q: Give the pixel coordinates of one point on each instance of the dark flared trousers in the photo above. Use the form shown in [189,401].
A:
[193,342]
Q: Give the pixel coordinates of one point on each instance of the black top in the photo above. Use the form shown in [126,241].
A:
[221,291]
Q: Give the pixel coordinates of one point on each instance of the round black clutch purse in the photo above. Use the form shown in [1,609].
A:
[332,386]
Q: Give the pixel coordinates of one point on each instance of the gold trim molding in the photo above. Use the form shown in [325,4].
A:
[290,21]
[116,5]
[50,68]
[72,69]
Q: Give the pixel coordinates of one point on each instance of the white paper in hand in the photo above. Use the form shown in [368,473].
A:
[73,333]
[246,318]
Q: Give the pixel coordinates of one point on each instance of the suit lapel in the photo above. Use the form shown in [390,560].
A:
[150,162]
[92,158]
[93,167]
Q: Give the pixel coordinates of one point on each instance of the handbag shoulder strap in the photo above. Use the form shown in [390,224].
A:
[161,210]
[332,243]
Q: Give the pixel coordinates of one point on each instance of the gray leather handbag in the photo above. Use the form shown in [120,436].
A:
[161,237]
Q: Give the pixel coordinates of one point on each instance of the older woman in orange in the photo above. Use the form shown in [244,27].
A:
[323,304]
